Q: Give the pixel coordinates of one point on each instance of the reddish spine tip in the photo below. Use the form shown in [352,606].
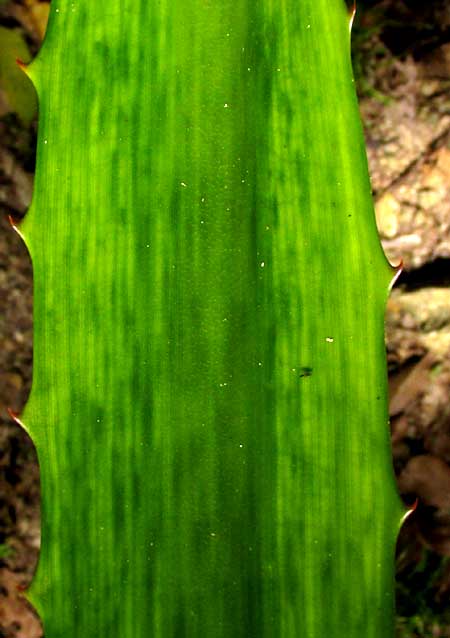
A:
[12,221]
[352,12]
[410,511]
[20,63]
[14,416]
[15,225]
[414,506]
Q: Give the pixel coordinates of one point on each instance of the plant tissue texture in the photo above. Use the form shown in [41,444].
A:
[209,394]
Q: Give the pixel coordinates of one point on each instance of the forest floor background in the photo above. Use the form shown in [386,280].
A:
[401,53]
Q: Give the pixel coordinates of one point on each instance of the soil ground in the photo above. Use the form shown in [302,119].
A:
[401,53]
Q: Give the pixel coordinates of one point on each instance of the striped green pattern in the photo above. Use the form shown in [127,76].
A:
[209,394]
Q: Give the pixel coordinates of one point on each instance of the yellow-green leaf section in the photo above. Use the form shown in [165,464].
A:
[16,92]
[209,395]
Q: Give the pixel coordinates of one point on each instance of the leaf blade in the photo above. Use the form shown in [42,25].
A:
[209,236]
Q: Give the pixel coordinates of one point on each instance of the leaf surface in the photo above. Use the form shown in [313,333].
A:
[209,394]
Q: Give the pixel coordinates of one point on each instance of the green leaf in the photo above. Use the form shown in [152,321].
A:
[16,88]
[209,396]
